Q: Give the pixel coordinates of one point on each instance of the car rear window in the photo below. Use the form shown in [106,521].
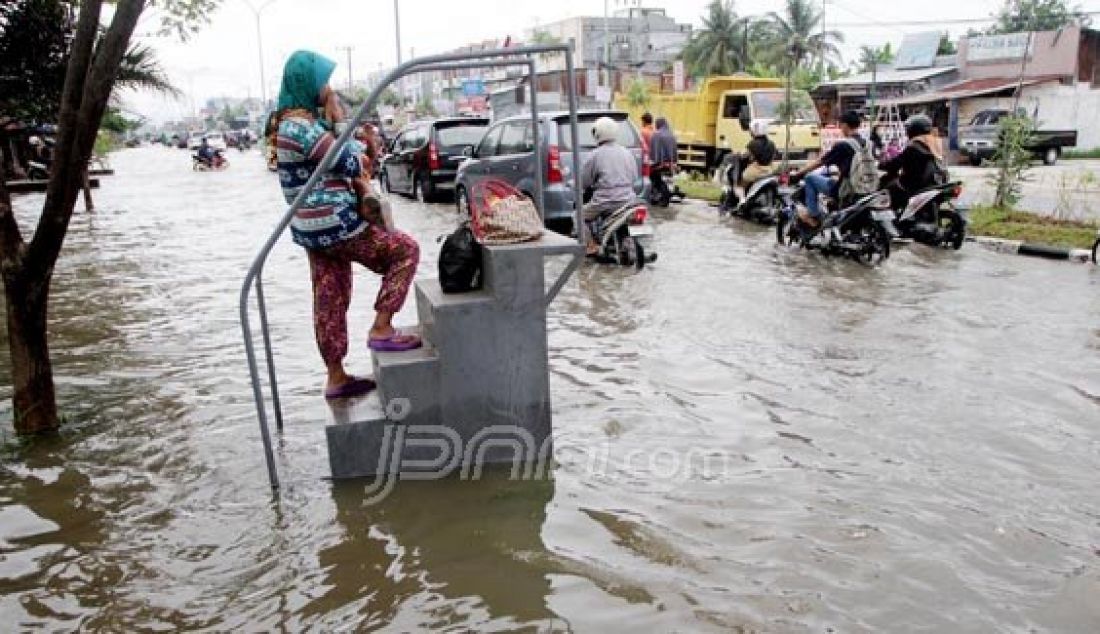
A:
[628,136]
[468,134]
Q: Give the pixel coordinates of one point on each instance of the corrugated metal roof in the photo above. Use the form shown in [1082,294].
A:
[890,76]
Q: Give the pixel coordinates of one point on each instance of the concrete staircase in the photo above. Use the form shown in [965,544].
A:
[478,391]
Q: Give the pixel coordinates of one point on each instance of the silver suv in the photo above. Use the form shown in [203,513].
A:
[507,152]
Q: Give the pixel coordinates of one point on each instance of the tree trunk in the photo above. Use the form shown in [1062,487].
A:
[32,375]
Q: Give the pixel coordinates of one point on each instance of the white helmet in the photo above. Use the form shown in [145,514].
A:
[759,127]
[34,141]
[606,129]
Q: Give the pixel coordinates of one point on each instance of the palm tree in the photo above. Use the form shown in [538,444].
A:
[796,37]
[871,57]
[141,70]
[722,46]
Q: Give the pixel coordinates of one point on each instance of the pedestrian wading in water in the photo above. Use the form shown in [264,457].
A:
[339,222]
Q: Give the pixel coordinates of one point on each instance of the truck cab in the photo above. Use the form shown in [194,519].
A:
[741,107]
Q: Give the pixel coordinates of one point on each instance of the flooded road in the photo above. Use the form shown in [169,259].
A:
[746,439]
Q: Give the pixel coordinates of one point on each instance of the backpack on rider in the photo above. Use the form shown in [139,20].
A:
[863,178]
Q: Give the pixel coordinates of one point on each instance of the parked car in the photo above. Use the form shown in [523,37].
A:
[978,141]
[507,152]
[424,157]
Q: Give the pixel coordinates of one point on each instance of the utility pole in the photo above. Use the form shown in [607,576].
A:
[348,50]
[606,52]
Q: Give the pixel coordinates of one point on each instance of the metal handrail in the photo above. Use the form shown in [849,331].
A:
[433,62]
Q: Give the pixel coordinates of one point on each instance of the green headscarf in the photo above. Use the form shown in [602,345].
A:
[304,75]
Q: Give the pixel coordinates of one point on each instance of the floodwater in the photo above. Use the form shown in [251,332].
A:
[746,439]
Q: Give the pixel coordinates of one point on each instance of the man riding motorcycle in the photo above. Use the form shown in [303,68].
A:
[918,167]
[207,153]
[841,156]
[610,173]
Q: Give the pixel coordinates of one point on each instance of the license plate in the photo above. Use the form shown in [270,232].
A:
[640,231]
[883,216]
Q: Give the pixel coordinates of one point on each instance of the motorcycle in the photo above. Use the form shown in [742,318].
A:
[931,217]
[37,171]
[217,163]
[624,236]
[862,231]
[675,195]
[762,201]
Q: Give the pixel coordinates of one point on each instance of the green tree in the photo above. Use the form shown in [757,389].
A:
[1017,16]
[722,46]
[27,266]
[947,45]
[795,37]
[1013,159]
[33,50]
[390,98]
[637,93]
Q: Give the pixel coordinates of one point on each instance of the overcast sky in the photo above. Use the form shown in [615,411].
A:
[223,59]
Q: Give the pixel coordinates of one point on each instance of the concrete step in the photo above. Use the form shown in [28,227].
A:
[412,376]
[432,304]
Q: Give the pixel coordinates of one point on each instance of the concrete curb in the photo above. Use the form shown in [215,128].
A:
[1018,247]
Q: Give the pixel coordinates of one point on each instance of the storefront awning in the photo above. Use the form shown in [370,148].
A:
[967,89]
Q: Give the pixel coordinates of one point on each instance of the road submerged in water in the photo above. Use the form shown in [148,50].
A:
[746,439]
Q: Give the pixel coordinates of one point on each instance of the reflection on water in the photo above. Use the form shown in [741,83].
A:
[745,438]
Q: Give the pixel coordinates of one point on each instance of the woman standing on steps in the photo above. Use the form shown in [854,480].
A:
[333,224]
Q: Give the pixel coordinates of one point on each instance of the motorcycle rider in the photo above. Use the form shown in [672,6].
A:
[662,154]
[647,131]
[760,154]
[609,173]
[919,166]
[840,156]
[207,153]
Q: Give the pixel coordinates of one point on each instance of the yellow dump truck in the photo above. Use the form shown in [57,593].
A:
[715,120]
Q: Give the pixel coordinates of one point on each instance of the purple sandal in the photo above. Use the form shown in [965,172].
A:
[353,388]
[397,342]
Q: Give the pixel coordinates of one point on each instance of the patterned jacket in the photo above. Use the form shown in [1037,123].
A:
[329,214]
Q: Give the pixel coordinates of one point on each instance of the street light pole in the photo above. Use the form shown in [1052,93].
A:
[260,45]
[348,50]
[606,52]
[397,29]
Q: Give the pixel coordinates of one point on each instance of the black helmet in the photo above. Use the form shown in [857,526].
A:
[918,125]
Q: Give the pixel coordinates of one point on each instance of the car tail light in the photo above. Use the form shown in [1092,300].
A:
[645,164]
[433,156]
[639,216]
[785,178]
[957,191]
[553,165]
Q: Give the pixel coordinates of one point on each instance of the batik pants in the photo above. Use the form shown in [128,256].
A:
[393,255]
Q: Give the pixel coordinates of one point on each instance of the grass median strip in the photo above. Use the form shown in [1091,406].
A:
[700,190]
[1030,228]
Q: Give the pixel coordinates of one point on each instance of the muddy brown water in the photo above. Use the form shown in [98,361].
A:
[746,439]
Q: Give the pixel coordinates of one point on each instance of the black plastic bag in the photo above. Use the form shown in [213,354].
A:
[460,262]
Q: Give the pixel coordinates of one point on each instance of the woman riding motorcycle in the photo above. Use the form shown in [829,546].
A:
[919,166]
[760,152]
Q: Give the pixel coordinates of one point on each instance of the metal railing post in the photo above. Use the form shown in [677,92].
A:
[578,193]
[540,146]
[261,304]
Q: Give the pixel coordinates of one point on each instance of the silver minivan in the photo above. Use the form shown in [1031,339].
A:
[507,152]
